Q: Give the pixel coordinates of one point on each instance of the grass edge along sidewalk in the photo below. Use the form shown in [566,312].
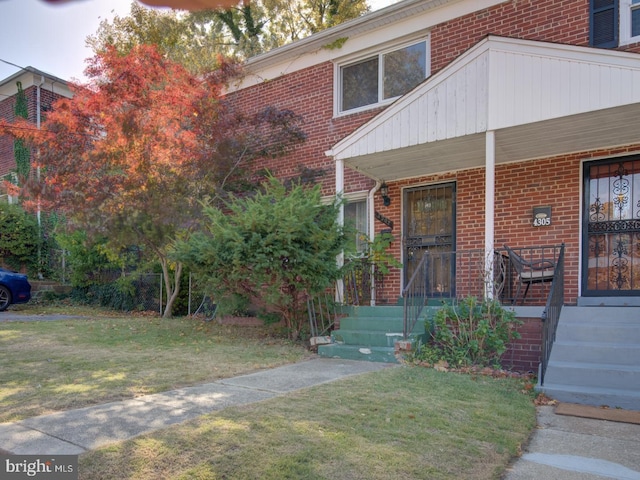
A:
[74,363]
[405,422]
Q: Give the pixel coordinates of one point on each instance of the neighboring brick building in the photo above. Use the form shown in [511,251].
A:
[41,90]
[474,113]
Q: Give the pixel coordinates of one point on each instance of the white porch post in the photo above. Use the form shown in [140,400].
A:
[340,191]
[489,209]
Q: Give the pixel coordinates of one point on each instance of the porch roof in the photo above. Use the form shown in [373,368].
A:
[540,99]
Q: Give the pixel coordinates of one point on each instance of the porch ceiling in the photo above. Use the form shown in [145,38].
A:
[606,128]
[600,129]
[418,160]
[540,100]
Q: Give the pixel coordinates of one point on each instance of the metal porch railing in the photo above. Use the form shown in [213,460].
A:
[551,314]
[443,275]
[323,313]
[463,273]
[415,296]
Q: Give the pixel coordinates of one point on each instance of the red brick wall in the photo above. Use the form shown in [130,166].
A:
[519,187]
[308,93]
[7,162]
[557,21]
[554,182]
[524,354]
[7,105]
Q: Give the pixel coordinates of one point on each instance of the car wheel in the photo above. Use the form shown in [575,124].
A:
[5,298]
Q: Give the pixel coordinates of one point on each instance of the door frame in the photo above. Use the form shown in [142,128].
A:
[631,225]
[405,191]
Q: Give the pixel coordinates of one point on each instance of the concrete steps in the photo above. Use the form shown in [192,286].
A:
[370,333]
[595,359]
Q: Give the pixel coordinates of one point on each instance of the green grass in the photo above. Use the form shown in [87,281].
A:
[406,422]
[58,365]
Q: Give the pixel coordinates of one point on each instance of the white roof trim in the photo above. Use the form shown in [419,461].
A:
[379,29]
[498,84]
[370,21]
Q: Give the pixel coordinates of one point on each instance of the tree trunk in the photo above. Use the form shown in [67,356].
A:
[172,287]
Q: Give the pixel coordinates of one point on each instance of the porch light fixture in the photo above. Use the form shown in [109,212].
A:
[384,193]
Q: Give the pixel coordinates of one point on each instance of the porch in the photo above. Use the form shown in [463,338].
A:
[508,129]
[375,333]
[472,155]
[587,353]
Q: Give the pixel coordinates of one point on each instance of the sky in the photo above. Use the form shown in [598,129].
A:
[52,38]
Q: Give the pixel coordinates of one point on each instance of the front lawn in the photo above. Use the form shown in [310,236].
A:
[50,366]
[405,422]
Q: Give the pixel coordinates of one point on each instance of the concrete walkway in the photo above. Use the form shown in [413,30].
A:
[77,431]
[561,447]
[573,448]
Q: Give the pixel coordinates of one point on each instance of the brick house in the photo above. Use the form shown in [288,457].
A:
[487,122]
[41,91]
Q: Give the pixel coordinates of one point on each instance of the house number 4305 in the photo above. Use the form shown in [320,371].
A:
[541,222]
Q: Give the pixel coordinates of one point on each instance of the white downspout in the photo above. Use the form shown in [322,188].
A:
[489,209]
[372,234]
[340,192]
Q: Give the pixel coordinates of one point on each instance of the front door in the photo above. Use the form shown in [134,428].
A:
[429,226]
[611,228]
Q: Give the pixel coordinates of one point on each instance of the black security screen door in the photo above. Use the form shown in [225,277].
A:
[611,228]
[429,226]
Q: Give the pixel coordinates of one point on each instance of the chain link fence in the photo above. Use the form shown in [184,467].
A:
[124,291]
[132,291]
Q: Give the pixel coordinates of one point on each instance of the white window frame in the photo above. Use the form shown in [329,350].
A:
[352,60]
[359,197]
[626,8]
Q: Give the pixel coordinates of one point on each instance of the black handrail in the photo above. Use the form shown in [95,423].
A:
[551,314]
[415,296]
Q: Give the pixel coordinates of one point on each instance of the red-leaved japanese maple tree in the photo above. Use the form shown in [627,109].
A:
[134,151]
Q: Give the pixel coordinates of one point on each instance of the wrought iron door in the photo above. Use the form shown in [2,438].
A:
[611,228]
[429,227]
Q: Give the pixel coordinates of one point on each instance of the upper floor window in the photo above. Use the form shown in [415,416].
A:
[629,21]
[603,17]
[382,77]
[614,22]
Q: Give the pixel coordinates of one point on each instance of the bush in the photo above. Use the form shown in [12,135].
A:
[470,332]
[272,250]
[18,239]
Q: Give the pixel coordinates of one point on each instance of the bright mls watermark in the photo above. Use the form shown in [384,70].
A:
[44,467]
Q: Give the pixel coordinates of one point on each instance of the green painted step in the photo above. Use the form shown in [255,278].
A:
[378,324]
[391,311]
[366,337]
[356,352]
[370,333]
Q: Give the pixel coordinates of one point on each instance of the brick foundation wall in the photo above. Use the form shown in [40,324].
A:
[524,354]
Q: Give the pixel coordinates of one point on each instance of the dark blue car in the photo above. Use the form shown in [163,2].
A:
[14,288]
